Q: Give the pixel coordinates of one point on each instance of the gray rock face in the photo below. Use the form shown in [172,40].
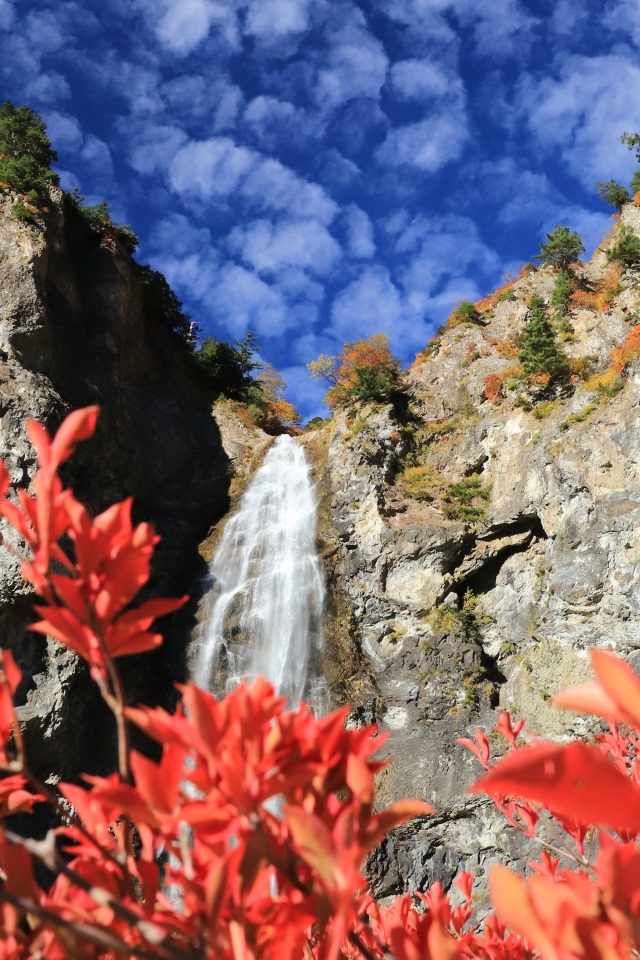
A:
[459,615]
[74,330]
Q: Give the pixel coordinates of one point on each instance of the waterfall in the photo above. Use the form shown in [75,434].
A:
[264,614]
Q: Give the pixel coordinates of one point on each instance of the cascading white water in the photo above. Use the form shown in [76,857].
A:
[264,614]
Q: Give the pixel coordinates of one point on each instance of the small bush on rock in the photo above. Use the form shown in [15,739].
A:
[626,249]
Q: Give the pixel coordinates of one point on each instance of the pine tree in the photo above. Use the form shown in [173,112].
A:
[613,193]
[26,154]
[540,352]
[562,248]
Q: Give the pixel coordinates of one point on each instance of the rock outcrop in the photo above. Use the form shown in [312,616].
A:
[478,542]
[75,329]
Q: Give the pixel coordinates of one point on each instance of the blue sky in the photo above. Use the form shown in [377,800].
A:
[321,170]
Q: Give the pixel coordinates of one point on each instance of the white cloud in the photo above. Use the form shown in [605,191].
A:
[186,255]
[273,186]
[428,145]
[269,247]
[153,146]
[419,79]
[137,83]
[268,19]
[568,17]
[530,198]
[353,70]
[210,168]
[310,345]
[373,304]
[582,113]
[271,121]
[436,251]
[211,100]
[219,168]
[241,300]
[305,394]
[360,242]
[423,21]
[623,16]
[97,158]
[63,130]
[7,14]
[182,25]
[298,287]
[501,28]
[47,88]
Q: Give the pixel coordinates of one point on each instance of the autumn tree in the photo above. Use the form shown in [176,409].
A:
[561,249]
[363,370]
[274,411]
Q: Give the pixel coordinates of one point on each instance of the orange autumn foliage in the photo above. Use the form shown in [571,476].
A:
[601,298]
[621,357]
[493,387]
[363,369]
[507,348]
[628,351]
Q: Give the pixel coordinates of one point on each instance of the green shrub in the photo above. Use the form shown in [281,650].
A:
[613,193]
[508,295]
[578,417]
[374,384]
[635,182]
[99,220]
[463,499]
[626,249]
[542,410]
[421,483]
[22,213]
[465,312]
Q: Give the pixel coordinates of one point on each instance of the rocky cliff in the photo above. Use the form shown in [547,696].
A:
[75,329]
[478,540]
[479,534]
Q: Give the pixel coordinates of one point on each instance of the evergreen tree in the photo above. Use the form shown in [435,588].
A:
[562,290]
[228,368]
[562,248]
[626,249]
[25,151]
[613,193]
[540,352]
[161,305]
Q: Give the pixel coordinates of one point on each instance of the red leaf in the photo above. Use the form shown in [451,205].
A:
[78,426]
[576,781]
[615,696]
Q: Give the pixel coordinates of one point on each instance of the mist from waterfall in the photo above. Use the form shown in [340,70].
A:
[264,614]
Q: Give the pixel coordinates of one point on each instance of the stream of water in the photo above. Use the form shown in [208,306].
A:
[264,614]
